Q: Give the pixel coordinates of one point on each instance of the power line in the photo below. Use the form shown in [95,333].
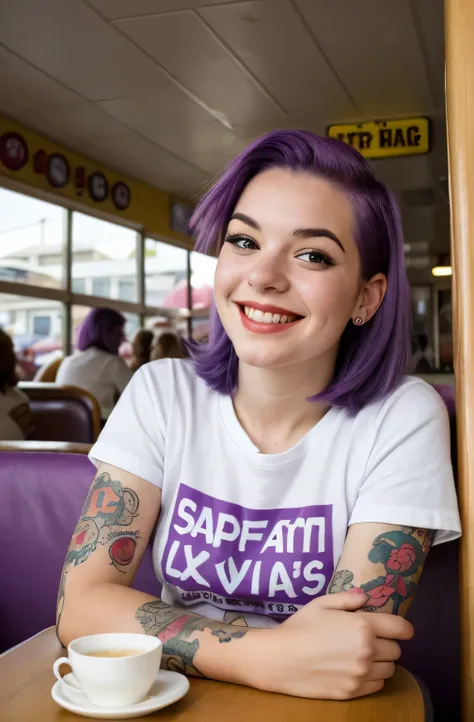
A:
[28,225]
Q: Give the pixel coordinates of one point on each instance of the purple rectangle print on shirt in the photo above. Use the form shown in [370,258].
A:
[268,561]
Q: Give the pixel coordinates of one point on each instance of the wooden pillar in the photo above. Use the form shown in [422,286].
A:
[459,30]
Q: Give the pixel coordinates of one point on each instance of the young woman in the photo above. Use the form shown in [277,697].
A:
[96,365]
[290,473]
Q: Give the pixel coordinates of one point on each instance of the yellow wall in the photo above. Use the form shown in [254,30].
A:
[20,160]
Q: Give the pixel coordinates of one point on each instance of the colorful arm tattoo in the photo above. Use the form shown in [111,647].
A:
[177,630]
[108,506]
[403,553]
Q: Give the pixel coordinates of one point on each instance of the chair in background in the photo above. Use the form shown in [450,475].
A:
[63,413]
[48,372]
[41,497]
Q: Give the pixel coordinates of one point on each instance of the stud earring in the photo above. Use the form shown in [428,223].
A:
[358,321]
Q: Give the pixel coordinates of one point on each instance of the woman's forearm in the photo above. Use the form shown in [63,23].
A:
[192,644]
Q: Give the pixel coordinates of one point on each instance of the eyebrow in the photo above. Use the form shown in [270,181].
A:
[299,233]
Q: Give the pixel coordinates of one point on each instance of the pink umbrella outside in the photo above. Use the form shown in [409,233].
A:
[178,298]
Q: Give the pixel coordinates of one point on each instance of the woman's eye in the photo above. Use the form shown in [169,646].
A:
[316,257]
[242,242]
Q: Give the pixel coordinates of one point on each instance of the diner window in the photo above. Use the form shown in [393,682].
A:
[103,252]
[32,249]
[126,289]
[166,275]
[36,328]
[101,287]
[41,325]
[78,285]
[203,269]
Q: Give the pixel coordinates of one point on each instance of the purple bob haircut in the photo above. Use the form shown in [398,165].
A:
[372,358]
[103,329]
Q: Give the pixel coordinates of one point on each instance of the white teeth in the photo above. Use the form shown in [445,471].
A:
[267,317]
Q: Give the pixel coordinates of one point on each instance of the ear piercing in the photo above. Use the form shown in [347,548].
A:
[358,321]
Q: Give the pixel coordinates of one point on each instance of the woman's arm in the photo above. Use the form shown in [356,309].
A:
[386,562]
[320,652]
[95,595]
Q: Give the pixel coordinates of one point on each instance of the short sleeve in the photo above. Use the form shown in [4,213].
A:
[408,479]
[134,437]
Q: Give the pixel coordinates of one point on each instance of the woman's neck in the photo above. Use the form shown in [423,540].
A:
[272,406]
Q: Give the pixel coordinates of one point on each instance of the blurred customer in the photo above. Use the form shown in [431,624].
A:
[96,365]
[168,345]
[141,349]
[16,421]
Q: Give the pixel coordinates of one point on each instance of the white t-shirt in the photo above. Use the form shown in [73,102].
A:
[102,374]
[15,415]
[242,533]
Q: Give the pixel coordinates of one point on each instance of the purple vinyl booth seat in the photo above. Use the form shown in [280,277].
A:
[63,413]
[41,498]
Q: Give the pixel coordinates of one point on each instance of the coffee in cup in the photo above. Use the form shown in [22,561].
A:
[114,670]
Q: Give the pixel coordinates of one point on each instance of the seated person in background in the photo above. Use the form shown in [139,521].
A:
[96,365]
[16,421]
[290,474]
[168,345]
[141,349]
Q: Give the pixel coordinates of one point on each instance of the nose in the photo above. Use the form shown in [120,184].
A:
[268,273]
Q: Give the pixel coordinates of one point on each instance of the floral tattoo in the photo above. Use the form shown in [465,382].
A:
[178,630]
[403,553]
[108,507]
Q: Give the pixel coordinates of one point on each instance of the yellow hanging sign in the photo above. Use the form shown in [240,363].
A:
[386,138]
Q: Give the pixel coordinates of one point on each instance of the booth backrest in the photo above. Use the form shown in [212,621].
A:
[434,654]
[41,498]
[63,413]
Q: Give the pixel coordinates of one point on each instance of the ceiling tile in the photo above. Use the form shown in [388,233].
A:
[271,40]
[202,65]
[373,46]
[70,42]
[179,125]
[135,8]
[431,18]
[24,88]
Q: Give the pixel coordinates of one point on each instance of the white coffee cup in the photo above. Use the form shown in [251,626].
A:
[113,681]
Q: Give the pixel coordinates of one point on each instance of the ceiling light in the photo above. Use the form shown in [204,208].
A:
[442,271]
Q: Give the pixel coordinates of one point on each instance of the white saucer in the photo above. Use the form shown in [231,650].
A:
[168,688]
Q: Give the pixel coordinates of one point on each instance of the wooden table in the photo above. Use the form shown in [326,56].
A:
[26,679]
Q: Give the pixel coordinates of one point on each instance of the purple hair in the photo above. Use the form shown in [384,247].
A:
[372,358]
[103,329]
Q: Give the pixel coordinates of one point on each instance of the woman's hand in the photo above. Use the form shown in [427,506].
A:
[326,652]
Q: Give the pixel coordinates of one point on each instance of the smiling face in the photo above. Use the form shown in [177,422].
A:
[288,277]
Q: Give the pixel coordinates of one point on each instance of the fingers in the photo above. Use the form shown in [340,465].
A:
[348,601]
[381,670]
[389,626]
[386,650]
